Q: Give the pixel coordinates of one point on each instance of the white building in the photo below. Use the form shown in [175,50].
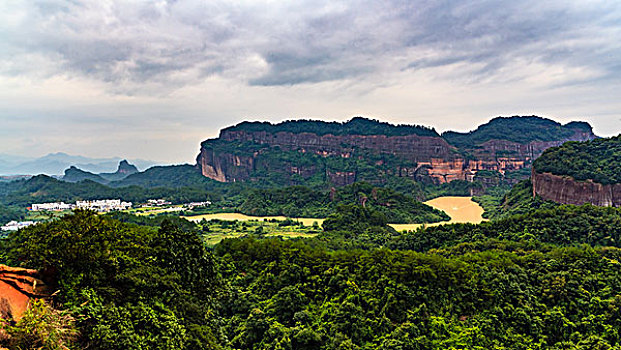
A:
[56,206]
[197,204]
[103,205]
[14,225]
[158,202]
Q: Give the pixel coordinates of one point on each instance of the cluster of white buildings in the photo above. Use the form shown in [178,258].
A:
[103,205]
[163,203]
[156,203]
[14,225]
[97,205]
[56,206]
[197,204]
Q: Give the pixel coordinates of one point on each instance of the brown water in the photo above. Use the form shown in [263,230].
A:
[460,209]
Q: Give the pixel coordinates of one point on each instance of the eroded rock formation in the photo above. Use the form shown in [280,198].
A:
[17,287]
[564,189]
[430,156]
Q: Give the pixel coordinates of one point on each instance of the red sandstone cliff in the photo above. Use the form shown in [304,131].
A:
[17,287]
[433,156]
[563,189]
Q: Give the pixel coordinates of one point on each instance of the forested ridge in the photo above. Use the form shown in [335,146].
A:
[598,160]
[547,279]
[516,129]
[355,126]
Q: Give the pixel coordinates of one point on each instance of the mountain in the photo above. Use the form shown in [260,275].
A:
[56,163]
[124,170]
[580,172]
[164,176]
[520,130]
[73,174]
[42,188]
[8,160]
[315,152]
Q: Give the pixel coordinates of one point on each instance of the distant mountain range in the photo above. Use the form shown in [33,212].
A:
[57,163]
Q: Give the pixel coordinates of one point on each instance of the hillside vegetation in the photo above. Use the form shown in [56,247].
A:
[544,280]
[518,200]
[598,160]
[355,126]
[516,129]
[41,188]
[301,201]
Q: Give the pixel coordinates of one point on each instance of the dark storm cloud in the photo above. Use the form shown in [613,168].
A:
[272,43]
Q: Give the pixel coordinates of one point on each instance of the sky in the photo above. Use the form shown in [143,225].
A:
[152,79]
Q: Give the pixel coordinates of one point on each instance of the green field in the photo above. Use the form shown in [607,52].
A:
[216,230]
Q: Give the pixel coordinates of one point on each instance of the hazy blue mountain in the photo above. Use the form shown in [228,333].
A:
[56,163]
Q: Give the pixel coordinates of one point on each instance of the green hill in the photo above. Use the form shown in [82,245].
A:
[598,160]
[165,176]
[516,129]
[74,174]
[355,126]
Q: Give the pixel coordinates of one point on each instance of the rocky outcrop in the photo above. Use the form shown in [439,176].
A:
[125,168]
[420,157]
[411,147]
[225,167]
[566,190]
[17,287]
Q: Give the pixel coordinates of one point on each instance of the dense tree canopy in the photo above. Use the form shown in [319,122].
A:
[598,160]
[355,126]
[546,279]
[516,129]
[299,201]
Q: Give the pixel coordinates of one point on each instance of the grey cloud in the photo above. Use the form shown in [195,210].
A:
[310,41]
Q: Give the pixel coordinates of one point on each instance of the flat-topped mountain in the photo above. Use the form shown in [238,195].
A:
[295,152]
[580,172]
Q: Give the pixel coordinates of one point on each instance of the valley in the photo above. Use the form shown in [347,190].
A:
[324,239]
[310,175]
[459,209]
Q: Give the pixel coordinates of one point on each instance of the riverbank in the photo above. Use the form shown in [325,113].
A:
[460,209]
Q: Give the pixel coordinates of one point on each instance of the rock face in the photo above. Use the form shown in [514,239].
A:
[125,168]
[414,156]
[17,287]
[412,147]
[564,189]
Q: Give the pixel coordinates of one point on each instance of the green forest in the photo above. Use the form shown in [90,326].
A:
[355,126]
[547,279]
[598,160]
[516,129]
[299,201]
[399,198]
[537,275]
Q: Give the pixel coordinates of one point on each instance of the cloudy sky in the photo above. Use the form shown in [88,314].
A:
[151,79]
